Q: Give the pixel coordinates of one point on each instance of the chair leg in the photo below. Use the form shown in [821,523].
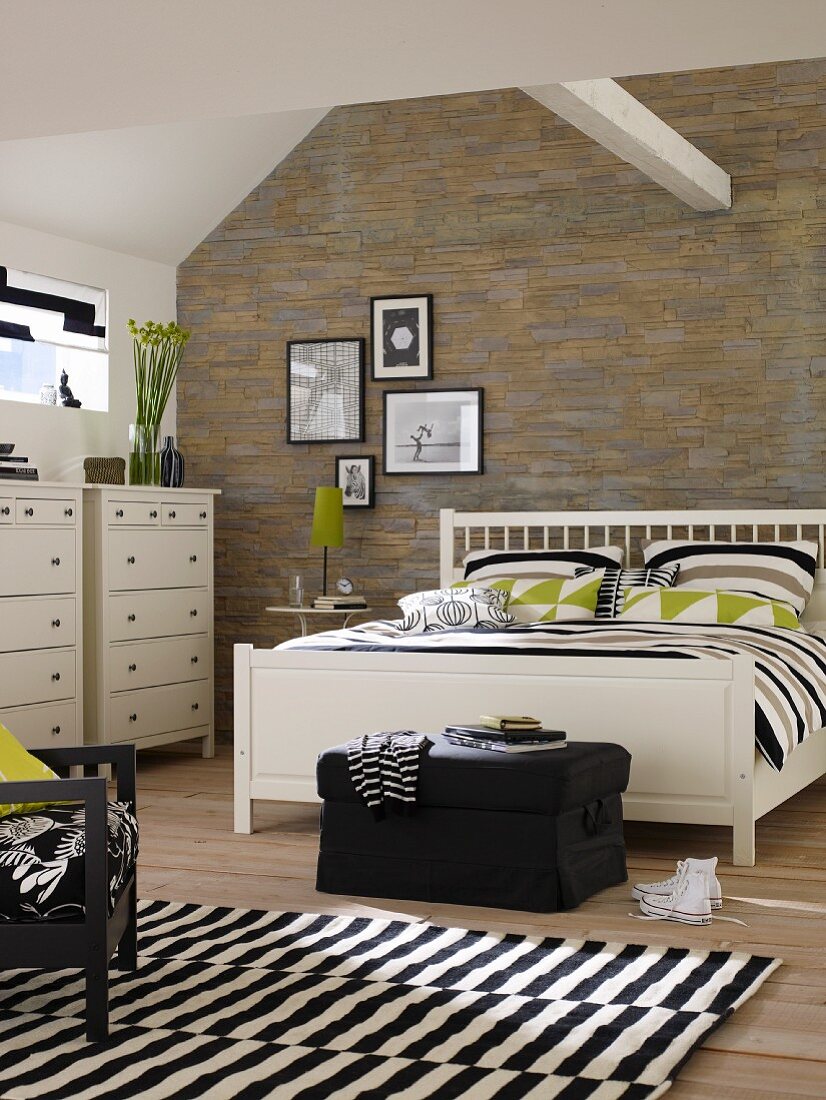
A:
[127,953]
[97,1001]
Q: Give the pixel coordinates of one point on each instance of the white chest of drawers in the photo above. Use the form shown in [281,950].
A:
[148,615]
[41,592]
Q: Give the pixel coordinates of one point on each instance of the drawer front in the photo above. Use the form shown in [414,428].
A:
[150,664]
[37,624]
[158,559]
[163,614]
[134,513]
[52,727]
[36,563]
[159,710]
[184,515]
[38,676]
[6,509]
[37,511]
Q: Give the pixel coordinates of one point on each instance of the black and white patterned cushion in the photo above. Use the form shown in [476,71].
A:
[615,581]
[454,609]
[43,864]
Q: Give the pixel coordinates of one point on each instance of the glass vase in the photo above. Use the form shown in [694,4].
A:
[144,456]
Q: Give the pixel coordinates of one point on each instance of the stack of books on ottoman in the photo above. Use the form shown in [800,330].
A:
[15,467]
[506,733]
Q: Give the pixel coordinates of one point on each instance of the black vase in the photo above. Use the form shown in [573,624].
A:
[172,464]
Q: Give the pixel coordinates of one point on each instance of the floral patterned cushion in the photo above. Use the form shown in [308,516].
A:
[42,864]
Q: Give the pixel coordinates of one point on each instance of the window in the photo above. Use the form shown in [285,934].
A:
[48,326]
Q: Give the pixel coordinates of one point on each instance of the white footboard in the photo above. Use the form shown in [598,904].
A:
[689,724]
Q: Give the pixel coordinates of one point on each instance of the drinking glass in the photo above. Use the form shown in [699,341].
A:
[296,591]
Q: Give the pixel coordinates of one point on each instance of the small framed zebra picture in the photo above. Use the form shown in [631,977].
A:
[356,477]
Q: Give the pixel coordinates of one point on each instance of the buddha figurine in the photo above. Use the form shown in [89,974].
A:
[67,398]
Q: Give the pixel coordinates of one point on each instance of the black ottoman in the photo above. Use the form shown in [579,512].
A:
[540,831]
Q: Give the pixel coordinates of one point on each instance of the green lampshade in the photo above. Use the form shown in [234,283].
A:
[328,517]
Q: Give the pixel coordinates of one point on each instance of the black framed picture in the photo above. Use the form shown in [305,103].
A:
[356,477]
[433,431]
[325,391]
[402,333]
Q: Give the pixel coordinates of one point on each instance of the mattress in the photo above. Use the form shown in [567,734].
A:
[790,665]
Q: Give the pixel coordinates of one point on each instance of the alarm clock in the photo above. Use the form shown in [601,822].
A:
[344,586]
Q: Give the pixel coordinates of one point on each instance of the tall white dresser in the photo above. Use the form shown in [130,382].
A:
[41,650]
[148,615]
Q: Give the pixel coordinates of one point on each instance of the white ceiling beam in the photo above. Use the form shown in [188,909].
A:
[607,113]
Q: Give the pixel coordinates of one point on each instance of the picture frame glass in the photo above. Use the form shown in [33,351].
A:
[433,432]
[325,387]
[402,338]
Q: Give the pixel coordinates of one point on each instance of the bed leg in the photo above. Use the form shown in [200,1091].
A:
[243,815]
[242,769]
[744,851]
[741,776]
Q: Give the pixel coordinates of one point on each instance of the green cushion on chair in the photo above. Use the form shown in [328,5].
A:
[17,765]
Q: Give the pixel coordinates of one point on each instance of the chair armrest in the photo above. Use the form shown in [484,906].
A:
[122,756]
[52,790]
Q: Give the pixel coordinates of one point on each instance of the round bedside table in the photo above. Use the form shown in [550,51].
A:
[302,614]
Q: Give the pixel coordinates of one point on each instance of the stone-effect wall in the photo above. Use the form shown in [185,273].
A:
[634,353]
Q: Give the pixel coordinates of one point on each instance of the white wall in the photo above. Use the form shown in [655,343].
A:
[57,439]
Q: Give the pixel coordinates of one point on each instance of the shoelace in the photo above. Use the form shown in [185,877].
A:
[714,916]
[675,880]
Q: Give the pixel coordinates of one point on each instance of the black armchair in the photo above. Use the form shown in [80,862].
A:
[91,941]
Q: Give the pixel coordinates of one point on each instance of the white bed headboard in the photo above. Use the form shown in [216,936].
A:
[460,532]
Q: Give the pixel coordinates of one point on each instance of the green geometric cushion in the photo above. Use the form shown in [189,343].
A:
[17,765]
[549,599]
[688,605]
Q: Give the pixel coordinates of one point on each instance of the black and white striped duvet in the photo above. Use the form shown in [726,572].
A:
[790,665]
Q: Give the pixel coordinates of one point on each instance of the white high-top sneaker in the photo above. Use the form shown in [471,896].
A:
[707,867]
[688,901]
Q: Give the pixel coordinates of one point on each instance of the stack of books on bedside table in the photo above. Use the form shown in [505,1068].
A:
[15,467]
[506,733]
[339,603]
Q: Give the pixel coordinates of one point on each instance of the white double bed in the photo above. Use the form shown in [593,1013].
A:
[688,723]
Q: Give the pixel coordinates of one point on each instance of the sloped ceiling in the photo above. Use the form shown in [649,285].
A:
[139,126]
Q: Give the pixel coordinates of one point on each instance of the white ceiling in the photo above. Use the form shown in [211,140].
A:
[140,125]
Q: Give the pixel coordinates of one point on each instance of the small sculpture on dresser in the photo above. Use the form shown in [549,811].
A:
[67,398]
[172,464]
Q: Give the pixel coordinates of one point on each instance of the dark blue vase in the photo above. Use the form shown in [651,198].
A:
[172,464]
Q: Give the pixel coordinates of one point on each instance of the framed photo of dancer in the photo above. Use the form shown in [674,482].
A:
[325,391]
[356,477]
[402,330]
[433,431]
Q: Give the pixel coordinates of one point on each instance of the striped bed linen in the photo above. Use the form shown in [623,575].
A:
[790,665]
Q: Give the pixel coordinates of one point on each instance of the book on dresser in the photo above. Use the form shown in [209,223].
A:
[149,615]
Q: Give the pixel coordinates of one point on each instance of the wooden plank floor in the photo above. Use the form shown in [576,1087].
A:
[775,1046]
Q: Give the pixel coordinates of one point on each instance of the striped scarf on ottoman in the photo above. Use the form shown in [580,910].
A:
[384,768]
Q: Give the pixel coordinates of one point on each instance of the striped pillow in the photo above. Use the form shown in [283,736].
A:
[775,570]
[612,590]
[482,564]
[689,605]
[549,599]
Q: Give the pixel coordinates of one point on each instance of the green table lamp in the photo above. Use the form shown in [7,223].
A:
[328,523]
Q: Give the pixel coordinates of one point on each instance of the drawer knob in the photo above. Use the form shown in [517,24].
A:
[119,513]
[55,730]
[203,515]
[6,511]
[131,616]
[133,668]
[68,512]
[153,514]
[194,660]
[193,557]
[55,561]
[171,515]
[29,511]
[194,612]
[131,559]
[194,706]
[55,676]
[133,717]
[55,622]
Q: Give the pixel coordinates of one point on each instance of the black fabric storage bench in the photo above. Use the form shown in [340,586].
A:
[540,831]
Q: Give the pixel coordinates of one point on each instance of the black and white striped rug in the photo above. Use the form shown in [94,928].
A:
[234,1003]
